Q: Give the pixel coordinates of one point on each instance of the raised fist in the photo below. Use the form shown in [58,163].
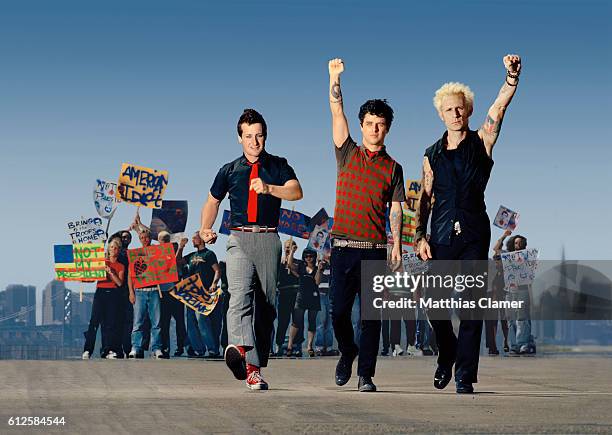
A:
[336,67]
[512,62]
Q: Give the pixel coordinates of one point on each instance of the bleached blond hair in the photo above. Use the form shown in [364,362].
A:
[454,88]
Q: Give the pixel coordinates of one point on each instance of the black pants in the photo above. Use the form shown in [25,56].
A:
[127,321]
[286,304]
[105,312]
[386,324]
[396,331]
[462,350]
[298,319]
[171,307]
[345,285]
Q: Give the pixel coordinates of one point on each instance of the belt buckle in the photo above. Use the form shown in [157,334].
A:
[255,228]
[340,243]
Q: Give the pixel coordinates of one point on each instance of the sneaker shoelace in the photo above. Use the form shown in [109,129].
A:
[255,378]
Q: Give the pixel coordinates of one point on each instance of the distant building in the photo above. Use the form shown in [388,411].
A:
[18,306]
[53,303]
[81,310]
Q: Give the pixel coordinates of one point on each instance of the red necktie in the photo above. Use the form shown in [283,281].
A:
[252,203]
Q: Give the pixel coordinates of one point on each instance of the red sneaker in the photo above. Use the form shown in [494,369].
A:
[255,381]
[235,360]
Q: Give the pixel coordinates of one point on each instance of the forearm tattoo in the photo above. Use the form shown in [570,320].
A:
[396,225]
[336,93]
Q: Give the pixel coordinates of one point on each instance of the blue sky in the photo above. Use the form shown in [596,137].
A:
[86,87]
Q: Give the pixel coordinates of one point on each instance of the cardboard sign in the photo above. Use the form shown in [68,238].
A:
[105,199]
[413,265]
[142,186]
[320,240]
[152,265]
[88,230]
[80,262]
[506,219]
[519,267]
[171,217]
[413,194]
[294,224]
[319,218]
[192,293]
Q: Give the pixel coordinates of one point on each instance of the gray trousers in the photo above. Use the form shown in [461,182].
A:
[252,267]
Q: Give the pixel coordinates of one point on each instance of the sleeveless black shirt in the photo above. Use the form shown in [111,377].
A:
[460,180]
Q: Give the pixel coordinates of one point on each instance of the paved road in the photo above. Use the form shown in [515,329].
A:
[518,395]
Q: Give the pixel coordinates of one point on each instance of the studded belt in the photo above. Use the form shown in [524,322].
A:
[343,243]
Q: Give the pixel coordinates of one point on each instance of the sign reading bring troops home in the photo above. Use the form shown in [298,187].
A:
[86,230]
[142,186]
[152,265]
[192,293]
[80,262]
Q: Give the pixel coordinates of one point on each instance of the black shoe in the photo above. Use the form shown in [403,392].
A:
[493,352]
[427,352]
[191,353]
[344,369]
[464,388]
[442,377]
[179,351]
[234,359]
[365,384]
[384,352]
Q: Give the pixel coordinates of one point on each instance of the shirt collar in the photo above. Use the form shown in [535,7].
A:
[371,155]
[262,159]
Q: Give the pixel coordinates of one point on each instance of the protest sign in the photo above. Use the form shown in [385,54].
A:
[105,199]
[80,262]
[408,228]
[152,265]
[86,230]
[319,218]
[293,223]
[192,293]
[519,267]
[506,219]
[320,240]
[413,265]
[171,217]
[142,186]
[225,223]
[413,194]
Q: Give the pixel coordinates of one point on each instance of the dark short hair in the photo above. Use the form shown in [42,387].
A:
[376,108]
[307,252]
[250,117]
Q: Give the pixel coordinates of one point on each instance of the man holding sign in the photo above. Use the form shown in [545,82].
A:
[256,182]
[456,171]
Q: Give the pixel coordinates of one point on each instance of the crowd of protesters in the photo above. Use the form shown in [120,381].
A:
[133,321]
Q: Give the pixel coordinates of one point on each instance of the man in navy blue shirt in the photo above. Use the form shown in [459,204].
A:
[256,182]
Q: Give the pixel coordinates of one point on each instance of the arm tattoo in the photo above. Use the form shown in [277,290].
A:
[396,225]
[492,126]
[336,93]
[422,213]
